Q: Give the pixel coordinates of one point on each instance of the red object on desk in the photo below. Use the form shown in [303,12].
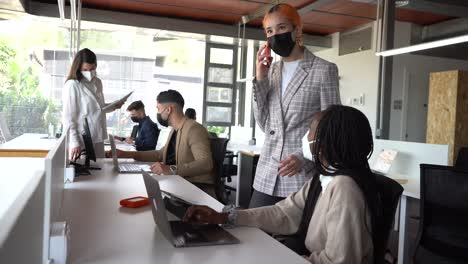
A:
[134,202]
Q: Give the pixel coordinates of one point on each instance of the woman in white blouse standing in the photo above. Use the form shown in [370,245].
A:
[83,98]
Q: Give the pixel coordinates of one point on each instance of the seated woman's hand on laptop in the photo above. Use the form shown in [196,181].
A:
[205,215]
[161,169]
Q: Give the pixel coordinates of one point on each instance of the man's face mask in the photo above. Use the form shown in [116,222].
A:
[135,119]
[282,44]
[163,121]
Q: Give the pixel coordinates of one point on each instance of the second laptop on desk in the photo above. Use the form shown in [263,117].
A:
[182,234]
[125,168]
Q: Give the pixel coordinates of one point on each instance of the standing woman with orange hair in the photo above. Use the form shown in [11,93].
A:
[287,95]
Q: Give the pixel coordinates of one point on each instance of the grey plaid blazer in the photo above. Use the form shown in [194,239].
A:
[285,119]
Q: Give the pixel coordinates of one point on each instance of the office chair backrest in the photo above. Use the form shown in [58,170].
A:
[218,150]
[443,228]
[390,192]
[462,159]
[4,131]
[134,133]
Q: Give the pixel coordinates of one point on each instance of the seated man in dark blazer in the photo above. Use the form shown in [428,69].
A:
[148,131]
[187,152]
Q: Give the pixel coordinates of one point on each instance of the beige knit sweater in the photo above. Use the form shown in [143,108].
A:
[339,230]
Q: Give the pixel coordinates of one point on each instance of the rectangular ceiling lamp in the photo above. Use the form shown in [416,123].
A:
[424,46]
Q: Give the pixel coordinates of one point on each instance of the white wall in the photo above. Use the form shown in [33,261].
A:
[410,83]
[358,76]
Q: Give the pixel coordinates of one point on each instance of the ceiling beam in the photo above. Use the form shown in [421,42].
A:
[314,5]
[166,23]
[262,11]
[450,28]
[437,8]
[259,12]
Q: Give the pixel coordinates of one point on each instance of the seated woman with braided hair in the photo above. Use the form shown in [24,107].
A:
[336,217]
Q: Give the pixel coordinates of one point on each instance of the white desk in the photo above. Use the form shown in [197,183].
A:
[19,179]
[28,145]
[238,146]
[103,232]
[21,210]
[247,159]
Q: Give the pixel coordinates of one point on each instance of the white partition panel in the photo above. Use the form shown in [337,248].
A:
[55,164]
[21,210]
[410,155]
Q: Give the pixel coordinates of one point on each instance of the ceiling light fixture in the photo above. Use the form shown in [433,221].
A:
[424,46]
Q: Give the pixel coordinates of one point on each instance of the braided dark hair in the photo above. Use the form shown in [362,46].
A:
[344,140]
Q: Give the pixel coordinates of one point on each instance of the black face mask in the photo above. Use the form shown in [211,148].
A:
[282,44]
[161,121]
[135,119]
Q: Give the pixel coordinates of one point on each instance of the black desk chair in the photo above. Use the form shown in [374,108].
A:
[218,150]
[134,133]
[443,228]
[230,169]
[462,159]
[390,192]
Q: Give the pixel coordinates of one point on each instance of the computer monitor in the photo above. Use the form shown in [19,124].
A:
[89,145]
[89,153]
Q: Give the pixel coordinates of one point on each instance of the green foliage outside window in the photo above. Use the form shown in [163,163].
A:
[26,110]
[216,129]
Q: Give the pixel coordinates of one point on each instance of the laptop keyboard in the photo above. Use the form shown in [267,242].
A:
[132,167]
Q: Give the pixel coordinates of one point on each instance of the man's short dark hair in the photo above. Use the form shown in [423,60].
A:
[190,113]
[171,96]
[137,105]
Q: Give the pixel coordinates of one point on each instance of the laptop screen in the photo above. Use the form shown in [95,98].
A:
[113,151]
[157,206]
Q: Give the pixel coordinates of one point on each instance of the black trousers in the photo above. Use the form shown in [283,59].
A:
[260,199]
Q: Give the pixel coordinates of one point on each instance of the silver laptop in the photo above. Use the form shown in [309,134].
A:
[127,167]
[178,233]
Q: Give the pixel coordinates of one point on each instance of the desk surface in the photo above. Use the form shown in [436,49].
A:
[29,142]
[103,232]
[410,188]
[246,148]
[19,177]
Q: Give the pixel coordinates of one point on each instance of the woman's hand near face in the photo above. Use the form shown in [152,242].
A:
[262,69]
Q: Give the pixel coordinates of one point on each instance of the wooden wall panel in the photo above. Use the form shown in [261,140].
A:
[441,114]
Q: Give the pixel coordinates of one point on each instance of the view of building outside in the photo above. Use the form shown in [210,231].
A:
[35,60]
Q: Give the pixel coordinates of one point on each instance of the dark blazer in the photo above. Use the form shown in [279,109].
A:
[148,134]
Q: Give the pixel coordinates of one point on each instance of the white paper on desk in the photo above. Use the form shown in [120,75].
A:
[384,160]
[116,102]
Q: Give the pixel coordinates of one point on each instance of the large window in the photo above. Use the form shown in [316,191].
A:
[35,60]
[26,104]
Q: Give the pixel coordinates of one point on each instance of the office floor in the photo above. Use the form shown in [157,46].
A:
[413,207]
[413,223]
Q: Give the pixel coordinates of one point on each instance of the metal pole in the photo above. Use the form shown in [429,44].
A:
[386,68]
